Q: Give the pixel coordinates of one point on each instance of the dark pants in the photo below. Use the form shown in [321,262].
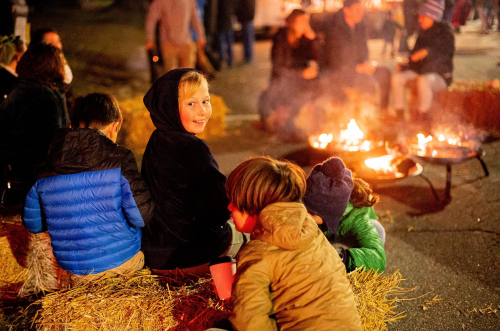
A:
[248,38]
[225,42]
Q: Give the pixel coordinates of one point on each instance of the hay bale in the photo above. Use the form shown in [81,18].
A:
[43,272]
[135,302]
[137,125]
[376,296]
[147,302]
[470,102]
[13,246]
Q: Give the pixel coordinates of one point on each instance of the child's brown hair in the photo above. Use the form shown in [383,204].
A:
[261,181]
[362,195]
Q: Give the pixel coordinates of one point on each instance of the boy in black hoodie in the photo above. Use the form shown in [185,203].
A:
[189,226]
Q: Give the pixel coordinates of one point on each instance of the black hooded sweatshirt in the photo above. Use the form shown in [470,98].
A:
[189,226]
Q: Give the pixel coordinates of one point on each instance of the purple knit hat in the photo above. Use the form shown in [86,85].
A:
[329,188]
[432,9]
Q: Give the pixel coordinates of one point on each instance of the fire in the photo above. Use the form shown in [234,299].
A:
[381,164]
[444,145]
[351,139]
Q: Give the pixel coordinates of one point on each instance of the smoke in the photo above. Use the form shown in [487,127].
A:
[295,108]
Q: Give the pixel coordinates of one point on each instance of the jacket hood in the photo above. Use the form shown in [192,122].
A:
[162,101]
[78,150]
[286,225]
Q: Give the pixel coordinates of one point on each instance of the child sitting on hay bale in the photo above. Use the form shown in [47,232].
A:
[288,276]
[189,227]
[343,208]
[89,194]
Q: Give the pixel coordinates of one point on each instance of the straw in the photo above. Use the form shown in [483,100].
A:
[376,296]
[185,302]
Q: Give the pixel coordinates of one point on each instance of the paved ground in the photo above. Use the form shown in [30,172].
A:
[449,250]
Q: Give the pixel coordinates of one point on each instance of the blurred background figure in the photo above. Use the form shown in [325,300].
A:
[175,17]
[225,34]
[51,37]
[245,13]
[11,50]
[410,13]
[32,111]
[295,55]
[460,14]
[389,32]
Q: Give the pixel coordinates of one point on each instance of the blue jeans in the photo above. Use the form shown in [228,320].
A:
[248,38]
[225,41]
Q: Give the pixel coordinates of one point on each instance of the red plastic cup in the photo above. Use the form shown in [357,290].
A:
[223,270]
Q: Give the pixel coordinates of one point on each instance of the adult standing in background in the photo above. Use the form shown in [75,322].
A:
[225,34]
[175,18]
[245,13]
[410,13]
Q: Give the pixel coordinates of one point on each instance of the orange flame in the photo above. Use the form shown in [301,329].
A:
[381,164]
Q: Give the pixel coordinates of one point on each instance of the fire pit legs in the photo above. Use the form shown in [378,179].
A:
[448,181]
[431,186]
[485,169]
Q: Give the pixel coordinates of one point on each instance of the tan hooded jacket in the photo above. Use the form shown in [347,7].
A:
[289,277]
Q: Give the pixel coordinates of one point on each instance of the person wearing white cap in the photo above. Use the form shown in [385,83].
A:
[431,61]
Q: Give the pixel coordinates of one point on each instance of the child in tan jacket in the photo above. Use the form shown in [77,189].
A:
[288,276]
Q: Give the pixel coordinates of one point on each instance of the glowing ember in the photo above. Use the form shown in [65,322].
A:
[381,164]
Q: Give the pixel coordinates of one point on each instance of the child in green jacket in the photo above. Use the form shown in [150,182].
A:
[360,230]
[359,237]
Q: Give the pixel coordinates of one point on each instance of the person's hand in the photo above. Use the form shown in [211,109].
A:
[310,34]
[150,45]
[310,73]
[419,55]
[365,68]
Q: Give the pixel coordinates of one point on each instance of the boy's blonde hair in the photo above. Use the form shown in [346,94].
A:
[260,181]
[362,195]
[190,83]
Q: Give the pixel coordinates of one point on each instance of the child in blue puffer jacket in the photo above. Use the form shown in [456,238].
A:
[89,194]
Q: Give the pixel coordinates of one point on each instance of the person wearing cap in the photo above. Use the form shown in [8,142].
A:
[430,64]
[343,209]
[346,53]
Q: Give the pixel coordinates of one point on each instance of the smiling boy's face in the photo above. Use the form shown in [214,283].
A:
[196,110]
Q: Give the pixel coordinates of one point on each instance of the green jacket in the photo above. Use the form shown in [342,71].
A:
[356,229]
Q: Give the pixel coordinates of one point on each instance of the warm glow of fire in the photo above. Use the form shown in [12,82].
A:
[351,139]
[381,164]
[438,148]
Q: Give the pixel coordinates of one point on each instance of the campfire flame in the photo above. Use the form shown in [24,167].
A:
[440,147]
[351,139]
[381,164]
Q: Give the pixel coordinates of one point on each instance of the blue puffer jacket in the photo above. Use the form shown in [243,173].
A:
[92,200]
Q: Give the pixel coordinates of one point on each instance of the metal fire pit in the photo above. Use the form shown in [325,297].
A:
[463,154]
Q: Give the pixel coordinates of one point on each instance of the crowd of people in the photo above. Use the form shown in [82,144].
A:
[324,61]
[294,236]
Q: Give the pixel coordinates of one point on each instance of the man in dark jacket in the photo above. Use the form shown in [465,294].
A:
[430,63]
[346,52]
[90,196]
[245,13]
